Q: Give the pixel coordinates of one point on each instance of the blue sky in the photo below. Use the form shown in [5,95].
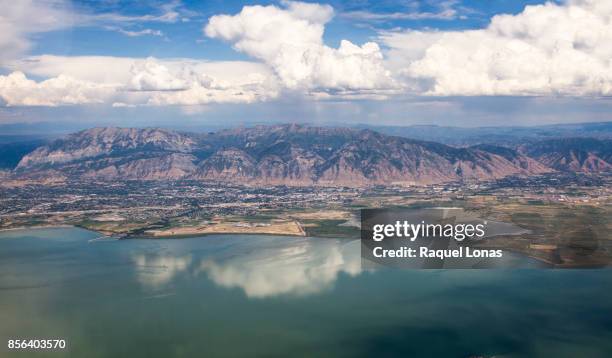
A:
[465,63]
[185,39]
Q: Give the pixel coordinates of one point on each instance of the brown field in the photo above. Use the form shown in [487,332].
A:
[323,215]
[275,227]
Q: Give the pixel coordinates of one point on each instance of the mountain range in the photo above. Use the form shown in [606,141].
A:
[299,155]
[510,136]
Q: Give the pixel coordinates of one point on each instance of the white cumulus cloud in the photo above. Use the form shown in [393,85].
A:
[134,81]
[150,75]
[549,49]
[553,49]
[17,90]
[290,41]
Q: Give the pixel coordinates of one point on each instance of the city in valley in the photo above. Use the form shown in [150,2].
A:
[566,217]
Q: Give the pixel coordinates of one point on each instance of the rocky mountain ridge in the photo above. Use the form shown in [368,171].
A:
[283,154]
[572,154]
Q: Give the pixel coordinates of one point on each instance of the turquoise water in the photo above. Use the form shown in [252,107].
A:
[282,297]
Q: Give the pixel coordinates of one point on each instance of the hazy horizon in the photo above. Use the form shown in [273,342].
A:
[52,129]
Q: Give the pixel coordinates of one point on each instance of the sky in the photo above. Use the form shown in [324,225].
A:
[224,63]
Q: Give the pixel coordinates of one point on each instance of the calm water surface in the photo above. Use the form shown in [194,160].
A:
[283,297]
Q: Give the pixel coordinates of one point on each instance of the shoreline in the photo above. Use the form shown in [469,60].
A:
[125,236]
[40,227]
[188,236]
[195,235]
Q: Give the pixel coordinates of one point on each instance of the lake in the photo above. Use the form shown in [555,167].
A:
[274,296]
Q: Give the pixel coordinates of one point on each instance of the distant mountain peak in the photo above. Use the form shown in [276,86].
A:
[573,154]
[290,154]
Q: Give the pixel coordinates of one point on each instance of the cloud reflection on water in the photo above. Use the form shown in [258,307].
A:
[264,268]
[156,271]
[308,267]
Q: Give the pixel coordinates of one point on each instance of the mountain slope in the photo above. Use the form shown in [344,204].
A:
[287,154]
[97,142]
[572,154]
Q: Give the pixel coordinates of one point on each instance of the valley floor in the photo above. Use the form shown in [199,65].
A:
[567,218]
